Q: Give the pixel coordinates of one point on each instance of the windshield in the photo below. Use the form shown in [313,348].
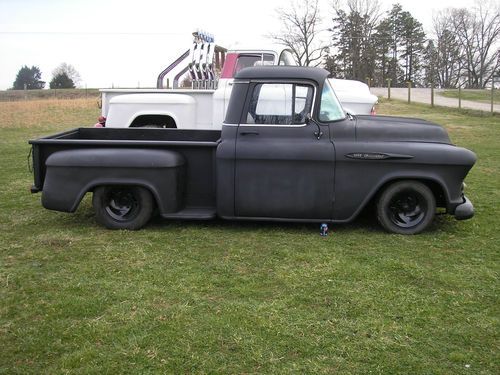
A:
[330,109]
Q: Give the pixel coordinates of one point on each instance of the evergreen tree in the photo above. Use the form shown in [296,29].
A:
[430,72]
[412,46]
[399,45]
[352,35]
[31,77]
[382,44]
[62,81]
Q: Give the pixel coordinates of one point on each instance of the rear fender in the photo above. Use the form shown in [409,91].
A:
[72,173]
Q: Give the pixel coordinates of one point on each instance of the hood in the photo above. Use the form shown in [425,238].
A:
[399,129]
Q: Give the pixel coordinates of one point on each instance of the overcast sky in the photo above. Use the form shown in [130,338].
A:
[127,43]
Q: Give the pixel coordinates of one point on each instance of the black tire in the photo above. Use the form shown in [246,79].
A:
[406,207]
[122,207]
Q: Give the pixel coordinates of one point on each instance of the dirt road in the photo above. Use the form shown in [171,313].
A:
[424,96]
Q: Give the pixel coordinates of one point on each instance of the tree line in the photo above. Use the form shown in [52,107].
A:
[65,76]
[365,43]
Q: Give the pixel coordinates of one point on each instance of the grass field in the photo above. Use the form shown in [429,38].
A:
[228,297]
[16,95]
[474,95]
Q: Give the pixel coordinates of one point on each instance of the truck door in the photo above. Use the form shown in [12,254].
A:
[282,169]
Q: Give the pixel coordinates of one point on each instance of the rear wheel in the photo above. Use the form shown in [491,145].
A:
[406,207]
[122,207]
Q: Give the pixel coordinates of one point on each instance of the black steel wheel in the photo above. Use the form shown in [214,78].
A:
[122,207]
[406,207]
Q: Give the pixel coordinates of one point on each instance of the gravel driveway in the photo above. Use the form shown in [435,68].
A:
[424,96]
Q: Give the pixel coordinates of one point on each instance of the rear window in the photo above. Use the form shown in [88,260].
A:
[246,61]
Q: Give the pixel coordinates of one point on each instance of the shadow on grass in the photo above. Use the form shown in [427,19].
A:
[365,222]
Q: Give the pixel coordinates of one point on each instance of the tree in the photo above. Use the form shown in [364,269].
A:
[478,33]
[352,38]
[300,32]
[29,78]
[399,48]
[412,43]
[448,55]
[430,74]
[70,72]
[383,42]
[62,81]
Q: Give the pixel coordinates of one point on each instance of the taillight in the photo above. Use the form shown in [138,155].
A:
[373,112]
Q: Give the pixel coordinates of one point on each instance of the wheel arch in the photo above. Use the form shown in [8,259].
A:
[437,186]
[154,118]
[101,182]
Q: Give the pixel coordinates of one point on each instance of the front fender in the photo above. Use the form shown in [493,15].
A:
[358,180]
[72,173]
[354,211]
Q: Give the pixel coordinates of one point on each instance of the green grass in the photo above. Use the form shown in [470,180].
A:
[474,95]
[230,297]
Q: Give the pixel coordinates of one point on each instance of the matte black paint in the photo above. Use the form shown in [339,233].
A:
[257,172]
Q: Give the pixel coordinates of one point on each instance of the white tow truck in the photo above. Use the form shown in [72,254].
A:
[211,70]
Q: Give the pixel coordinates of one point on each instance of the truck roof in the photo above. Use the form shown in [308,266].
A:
[284,72]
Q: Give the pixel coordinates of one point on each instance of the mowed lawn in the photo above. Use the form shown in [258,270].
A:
[230,297]
[474,95]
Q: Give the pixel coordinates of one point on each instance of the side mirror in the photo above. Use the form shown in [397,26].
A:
[318,134]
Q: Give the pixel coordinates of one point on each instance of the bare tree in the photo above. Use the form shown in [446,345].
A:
[69,70]
[448,59]
[479,34]
[300,31]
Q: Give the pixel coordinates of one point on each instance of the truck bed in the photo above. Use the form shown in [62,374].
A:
[197,147]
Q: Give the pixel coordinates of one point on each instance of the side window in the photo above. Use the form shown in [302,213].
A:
[280,104]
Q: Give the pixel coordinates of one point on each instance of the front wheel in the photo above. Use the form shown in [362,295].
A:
[406,207]
[122,207]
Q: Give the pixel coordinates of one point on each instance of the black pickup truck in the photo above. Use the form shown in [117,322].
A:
[287,151]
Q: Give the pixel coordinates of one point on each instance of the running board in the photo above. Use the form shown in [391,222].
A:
[198,213]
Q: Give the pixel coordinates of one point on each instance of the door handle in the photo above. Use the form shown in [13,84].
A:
[249,133]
